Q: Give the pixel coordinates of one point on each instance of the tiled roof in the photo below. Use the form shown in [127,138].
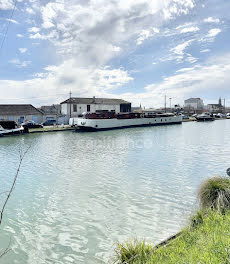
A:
[106,101]
[18,109]
[50,109]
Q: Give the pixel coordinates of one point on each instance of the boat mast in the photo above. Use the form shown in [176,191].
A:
[165,103]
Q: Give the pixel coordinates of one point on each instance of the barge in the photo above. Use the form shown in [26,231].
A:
[110,120]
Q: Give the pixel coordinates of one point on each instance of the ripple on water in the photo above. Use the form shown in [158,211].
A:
[78,194]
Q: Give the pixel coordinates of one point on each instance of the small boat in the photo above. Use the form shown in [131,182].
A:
[10,128]
[111,120]
[205,117]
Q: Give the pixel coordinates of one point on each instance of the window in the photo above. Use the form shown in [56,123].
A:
[75,108]
[88,108]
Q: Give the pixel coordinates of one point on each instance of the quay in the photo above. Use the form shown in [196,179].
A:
[51,129]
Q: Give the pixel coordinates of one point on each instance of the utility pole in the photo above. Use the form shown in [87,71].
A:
[70,103]
[165,103]
[224,105]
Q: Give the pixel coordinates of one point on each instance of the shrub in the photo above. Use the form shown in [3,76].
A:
[132,252]
[214,193]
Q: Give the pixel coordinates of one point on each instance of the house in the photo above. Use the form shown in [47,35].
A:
[74,107]
[50,111]
[216,108]
[20,113]
[53,112]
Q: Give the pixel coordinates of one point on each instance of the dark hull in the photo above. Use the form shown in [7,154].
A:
[205,119]
[92,129]
[11,134]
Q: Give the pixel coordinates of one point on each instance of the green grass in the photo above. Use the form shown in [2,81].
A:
[48,129]
[214,193]
[206,240]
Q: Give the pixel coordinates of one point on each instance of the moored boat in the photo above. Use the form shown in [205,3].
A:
[205,117]
[110,120]
[10,128]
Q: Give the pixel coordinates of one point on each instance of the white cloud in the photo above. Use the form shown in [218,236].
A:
[38,36]
[211,35]
[213,32]
[112,23]
[87,35]
[205,50]
[195,81]
[22,50]
[34,29]
[30,11]
[19,35]
[179,49]
[145,34]
[20,64]
[66,77]
[190,29]
[6,4]
[190,59]
[12,21]
[212,20]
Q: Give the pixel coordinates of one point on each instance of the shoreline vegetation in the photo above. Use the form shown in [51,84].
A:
[206,238]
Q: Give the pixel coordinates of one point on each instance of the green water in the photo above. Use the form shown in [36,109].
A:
[79,193]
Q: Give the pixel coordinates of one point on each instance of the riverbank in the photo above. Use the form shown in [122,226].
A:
[51,129]
[205,240]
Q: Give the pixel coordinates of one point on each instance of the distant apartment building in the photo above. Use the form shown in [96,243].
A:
[73,107]
[20,113]
[194,104]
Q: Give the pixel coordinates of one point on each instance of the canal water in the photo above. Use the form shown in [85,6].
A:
[79,193]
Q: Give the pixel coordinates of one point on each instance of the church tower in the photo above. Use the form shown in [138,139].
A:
[220,102]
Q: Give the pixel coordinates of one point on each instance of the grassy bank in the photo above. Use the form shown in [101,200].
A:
[206,239]
[50,129]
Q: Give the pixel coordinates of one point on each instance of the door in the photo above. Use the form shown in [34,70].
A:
[21,119]
[35,119]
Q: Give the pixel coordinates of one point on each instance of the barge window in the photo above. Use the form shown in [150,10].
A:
[88,108]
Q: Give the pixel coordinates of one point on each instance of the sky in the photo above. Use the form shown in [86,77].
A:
[137,50]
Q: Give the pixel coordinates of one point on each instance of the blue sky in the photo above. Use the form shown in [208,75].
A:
[136,50]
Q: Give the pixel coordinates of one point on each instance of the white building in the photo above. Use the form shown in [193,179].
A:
[73,107]
[194,104]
